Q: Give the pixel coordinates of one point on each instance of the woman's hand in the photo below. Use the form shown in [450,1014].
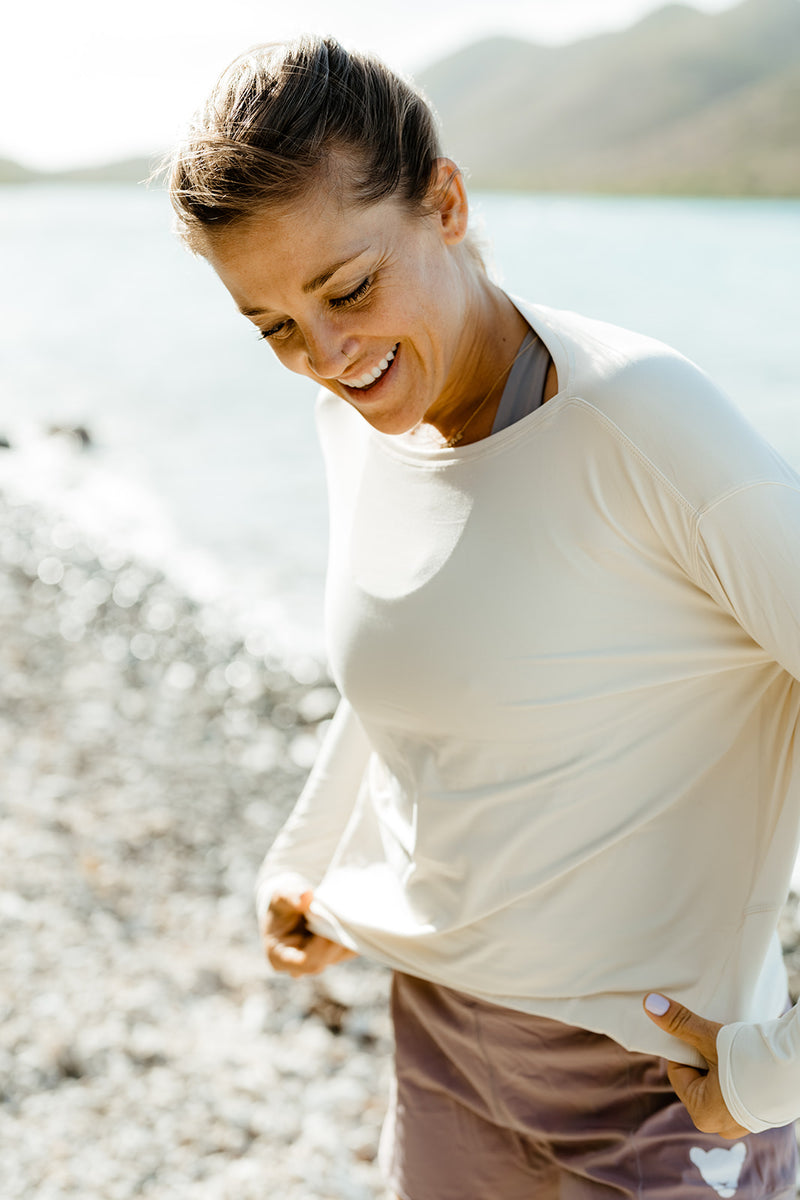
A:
[290,945]
[699,1090]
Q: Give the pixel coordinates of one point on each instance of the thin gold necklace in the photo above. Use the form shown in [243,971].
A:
[527,342]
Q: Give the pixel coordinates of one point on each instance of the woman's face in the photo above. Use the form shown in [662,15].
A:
[372,303]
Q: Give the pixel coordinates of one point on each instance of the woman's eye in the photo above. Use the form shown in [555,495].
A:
[282,330]
[276,332]
[352,297]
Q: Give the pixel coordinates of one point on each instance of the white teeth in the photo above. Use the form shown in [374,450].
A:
[374,373]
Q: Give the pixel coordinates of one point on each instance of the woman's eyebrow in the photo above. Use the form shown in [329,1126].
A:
[313,284]
[320,280]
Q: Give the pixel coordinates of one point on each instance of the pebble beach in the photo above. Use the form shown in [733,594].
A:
[148,757]
[149,754]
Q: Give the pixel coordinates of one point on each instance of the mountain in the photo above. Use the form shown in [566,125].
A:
[128,170]
[683,101]
[14,172]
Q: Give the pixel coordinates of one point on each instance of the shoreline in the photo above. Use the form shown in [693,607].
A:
[92,488]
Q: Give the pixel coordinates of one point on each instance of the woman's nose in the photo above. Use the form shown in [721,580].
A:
[330,354]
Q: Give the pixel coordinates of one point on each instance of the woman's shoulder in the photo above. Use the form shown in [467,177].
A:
[612,362]
[663,405]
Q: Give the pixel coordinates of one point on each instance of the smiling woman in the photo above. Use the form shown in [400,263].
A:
[382,305]
[566,639]
[357,267]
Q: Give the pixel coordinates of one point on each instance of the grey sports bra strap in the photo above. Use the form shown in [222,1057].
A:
[524,390]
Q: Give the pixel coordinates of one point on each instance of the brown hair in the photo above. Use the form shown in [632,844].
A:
[283,114]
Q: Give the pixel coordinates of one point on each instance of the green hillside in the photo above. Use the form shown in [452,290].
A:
[129,170]
[13,172]
[683,101]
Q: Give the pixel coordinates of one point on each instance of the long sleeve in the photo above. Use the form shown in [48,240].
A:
[749,559]
[760,1071]
[750,555]
[302,850]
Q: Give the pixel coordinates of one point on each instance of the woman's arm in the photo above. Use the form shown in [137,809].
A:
[749,558]
[300,854]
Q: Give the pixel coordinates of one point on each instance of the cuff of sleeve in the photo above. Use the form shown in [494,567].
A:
[740,1113]
[759,1068]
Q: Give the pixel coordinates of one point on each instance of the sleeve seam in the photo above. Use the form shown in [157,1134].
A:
[702,513]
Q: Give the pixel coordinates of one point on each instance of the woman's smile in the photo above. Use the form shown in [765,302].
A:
[368,379]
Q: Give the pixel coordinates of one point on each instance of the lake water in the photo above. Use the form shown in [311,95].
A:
[205,455]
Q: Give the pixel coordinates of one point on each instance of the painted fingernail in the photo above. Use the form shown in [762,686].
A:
[657,1005]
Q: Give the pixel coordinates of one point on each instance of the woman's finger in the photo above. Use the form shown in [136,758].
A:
[322,953]
[702,1097]
[682,1023]
[699,1091]
[286,914]
[683,1078]
[283,957]
[305,954]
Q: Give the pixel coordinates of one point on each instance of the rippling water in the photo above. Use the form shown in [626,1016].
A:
[205,454]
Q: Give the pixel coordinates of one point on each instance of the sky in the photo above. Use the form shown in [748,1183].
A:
[90,81]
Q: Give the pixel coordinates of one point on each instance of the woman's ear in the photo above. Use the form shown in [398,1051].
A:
[449,200]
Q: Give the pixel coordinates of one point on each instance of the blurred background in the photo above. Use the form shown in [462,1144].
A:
[163,526]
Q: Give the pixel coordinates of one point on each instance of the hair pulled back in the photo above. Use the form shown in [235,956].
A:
[283,115]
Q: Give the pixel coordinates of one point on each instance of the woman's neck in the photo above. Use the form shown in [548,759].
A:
[488,345]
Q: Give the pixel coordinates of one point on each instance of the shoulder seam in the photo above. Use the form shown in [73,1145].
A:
[620,435]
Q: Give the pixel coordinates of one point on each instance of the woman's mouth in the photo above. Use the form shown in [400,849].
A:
[368,379]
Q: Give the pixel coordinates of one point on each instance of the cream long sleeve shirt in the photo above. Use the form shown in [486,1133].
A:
[573,649]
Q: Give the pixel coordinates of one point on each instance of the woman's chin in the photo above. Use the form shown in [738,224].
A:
[388,419]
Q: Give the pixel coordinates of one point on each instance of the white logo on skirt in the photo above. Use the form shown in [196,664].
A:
[720,1168]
